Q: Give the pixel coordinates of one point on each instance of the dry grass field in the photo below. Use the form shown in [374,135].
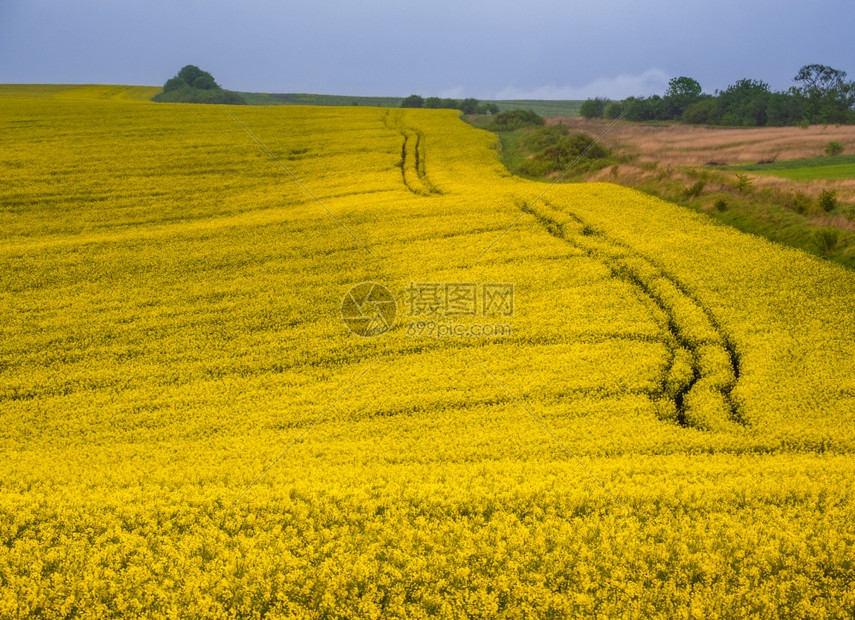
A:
[693,145]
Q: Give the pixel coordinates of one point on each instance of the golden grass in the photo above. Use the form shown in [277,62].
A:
[689,145]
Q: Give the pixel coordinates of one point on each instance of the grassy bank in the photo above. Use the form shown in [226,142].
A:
[779,201]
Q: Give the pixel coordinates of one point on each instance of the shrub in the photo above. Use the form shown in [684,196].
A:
[721,205]
[544,137]
[833,148]
[558,151]
[536,167]
[827,200]
[193,85]
[826,240]
[188,94]
[801,202]
[743,183]
[514,119]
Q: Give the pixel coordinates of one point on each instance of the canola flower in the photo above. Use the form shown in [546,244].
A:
[170,310]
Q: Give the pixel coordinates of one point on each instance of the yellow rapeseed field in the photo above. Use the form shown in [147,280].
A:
[639,413]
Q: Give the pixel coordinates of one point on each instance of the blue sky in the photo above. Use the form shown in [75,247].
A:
[500,49]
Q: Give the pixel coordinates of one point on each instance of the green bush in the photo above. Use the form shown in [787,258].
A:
[193,85]
[743,183]
[801,202]
[514,119]
[827,200]
[826,240]
[544,137]
[833,148]
[560,151]
[188,94]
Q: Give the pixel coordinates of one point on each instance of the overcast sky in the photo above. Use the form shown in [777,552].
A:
[501,49]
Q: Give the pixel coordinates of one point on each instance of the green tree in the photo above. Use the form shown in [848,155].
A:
[173,84]
[743,103]
[470,106]
[699,112]
[641,109]
[413,101]
[682,92]
[828,97]
[205,82]
[785,109]
[193,85]
[190,73]
[593,108]
[614,109]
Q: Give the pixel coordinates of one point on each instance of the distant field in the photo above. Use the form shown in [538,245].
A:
[808,169]
[544,108]
[321,100]
[78,91]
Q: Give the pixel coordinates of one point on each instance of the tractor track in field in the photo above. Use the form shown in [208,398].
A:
[704,365]
[412,163]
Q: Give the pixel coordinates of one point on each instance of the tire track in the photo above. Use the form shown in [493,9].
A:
[703,369]
[412,164]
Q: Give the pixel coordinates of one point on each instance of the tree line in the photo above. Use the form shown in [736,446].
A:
[820,95]
[467,106]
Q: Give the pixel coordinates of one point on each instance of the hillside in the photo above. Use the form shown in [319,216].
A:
[663,426]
